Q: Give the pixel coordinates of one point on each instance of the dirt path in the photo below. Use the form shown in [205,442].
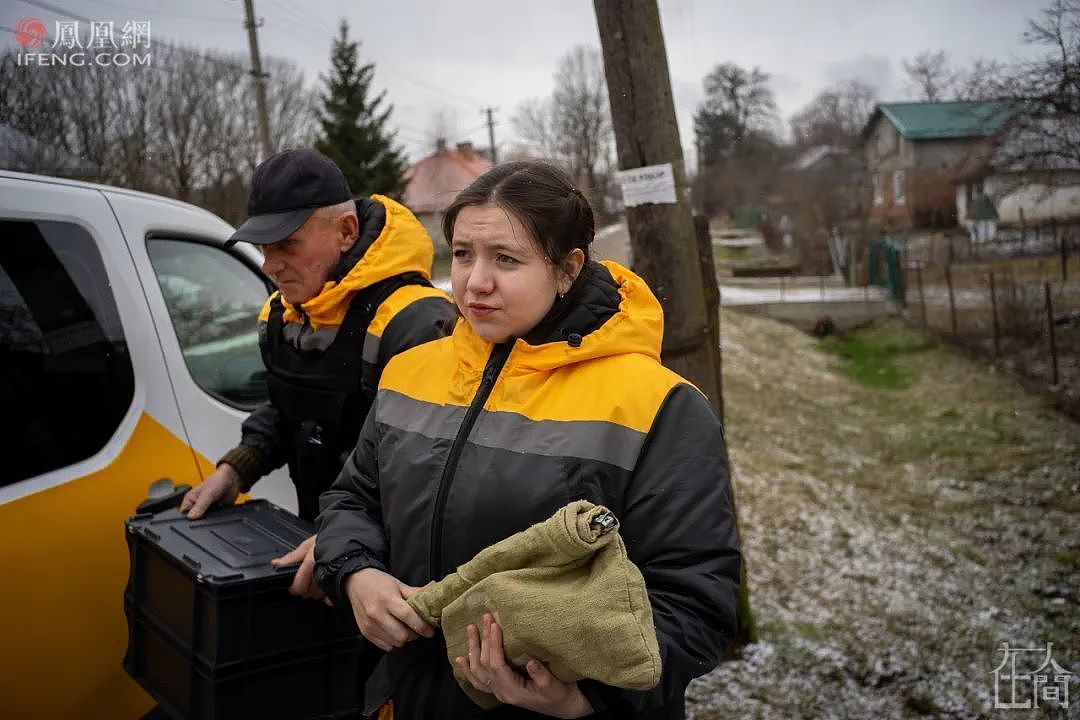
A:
[895,538]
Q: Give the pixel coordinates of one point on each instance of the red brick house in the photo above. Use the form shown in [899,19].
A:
[433,183]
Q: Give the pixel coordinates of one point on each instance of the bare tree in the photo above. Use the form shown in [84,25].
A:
[573,126]
[290,103]
[36,138]
[1053,78]
[982,81]
[1043,138]
[737,113]
[534,123]
[182,120]
[582,119]
[442,126]
[737,155]
[177,128]
[91,110]
[930,75]
[135,132]
[835,116]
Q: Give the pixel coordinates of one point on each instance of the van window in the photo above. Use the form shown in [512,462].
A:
[214,301]
[66,376]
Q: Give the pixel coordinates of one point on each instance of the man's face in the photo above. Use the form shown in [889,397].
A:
[300,264]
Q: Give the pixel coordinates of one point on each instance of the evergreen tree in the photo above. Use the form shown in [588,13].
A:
[354,133]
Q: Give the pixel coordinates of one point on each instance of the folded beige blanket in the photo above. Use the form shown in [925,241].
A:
[564,592]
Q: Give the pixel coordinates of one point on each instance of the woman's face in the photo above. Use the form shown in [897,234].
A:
[502,282]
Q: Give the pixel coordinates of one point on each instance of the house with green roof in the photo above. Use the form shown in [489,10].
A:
[912,151]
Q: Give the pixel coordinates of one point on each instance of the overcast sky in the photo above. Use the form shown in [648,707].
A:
[456,57]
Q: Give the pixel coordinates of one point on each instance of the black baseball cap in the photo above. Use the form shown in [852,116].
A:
[285,190]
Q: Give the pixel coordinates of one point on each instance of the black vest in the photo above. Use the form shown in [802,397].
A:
[319,395]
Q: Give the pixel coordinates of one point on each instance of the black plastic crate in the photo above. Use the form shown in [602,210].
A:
[213,632]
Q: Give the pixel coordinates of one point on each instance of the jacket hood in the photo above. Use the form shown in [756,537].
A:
[391,242]
[613,313]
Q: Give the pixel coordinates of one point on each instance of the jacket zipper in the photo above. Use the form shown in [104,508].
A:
[494,366]
[304,326]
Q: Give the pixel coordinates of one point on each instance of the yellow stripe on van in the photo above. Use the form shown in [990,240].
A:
[64,567]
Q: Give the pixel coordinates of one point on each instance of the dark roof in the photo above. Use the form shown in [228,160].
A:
[943,120]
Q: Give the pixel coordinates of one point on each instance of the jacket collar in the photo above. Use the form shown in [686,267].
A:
[391,242]
[613,313]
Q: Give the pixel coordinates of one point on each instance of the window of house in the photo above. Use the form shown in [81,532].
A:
[214,300]
[898,187]
[879,191]
[67,380]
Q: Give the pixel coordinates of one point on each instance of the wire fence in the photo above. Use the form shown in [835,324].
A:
[1023,312]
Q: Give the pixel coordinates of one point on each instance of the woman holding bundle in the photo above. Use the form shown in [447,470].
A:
[549,390]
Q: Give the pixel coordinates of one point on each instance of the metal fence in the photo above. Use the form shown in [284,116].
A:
[1021,311]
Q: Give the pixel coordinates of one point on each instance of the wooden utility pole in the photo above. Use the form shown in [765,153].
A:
[491,134]
[662,235]
[260,78]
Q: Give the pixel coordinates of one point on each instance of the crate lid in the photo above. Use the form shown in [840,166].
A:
[227,545]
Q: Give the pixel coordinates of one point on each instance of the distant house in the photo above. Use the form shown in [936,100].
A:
[433,183]
[1027,174]
[912,152]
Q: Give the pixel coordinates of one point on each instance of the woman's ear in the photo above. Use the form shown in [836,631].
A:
[571,268]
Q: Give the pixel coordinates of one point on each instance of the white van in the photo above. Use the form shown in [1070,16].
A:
[128,353]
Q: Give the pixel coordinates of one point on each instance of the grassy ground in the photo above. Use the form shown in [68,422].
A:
[871,356]
[904,511]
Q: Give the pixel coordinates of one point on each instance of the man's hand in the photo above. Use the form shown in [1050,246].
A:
[383,616]
[487,670]
[221,488]
[304,583]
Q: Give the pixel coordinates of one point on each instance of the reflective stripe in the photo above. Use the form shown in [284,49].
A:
[371,348]
[428,419]
[308,339]
[598,440]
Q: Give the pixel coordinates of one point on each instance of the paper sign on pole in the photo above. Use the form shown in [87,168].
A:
[649,184]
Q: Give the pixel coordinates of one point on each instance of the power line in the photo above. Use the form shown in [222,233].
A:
[165,13]
[168,46]
[299,17]
[457,99]
[294,34]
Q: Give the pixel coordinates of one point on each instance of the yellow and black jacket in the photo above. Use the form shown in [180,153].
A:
[468,443]
[324,356]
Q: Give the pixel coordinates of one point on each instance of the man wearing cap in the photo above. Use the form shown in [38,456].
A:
[354,289]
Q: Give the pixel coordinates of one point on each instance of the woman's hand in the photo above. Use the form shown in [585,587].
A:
[486,668]
[303,583]
[383,616]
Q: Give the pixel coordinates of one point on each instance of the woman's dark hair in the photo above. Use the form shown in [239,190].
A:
[541,197]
